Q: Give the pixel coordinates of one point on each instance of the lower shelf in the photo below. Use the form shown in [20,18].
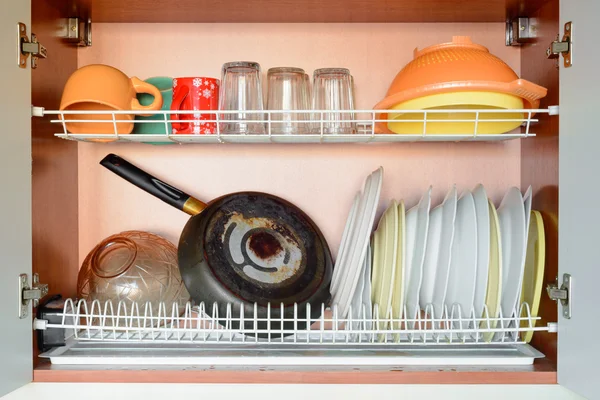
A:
[541,372]
[125,344]
[106,353]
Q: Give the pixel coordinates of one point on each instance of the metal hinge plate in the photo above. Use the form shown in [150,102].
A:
[78,32]
[564,46]
[28,294]
[520,31]
[26,48]
[562,294]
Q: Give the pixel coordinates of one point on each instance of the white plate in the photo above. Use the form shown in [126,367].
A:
[483,248]
[445,251]
[377,247]
[439,241]
[527,200]
[343,250]
[463,265]
[417,226]
[345,255]
[367,308]
[356,303]
[358,245]
[398,289]
[430,264]
[511,215]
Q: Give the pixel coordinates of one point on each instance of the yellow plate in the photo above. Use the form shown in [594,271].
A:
[494,286]
[437,123]
[398,288]
[534,270]
[387,265]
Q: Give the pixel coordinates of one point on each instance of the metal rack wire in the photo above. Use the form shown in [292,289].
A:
[130,334]
[366,122]
[133,322]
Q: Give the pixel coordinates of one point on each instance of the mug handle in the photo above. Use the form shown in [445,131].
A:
[176,105]
[144,87]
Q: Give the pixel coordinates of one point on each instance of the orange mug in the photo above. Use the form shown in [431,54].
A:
[104,88]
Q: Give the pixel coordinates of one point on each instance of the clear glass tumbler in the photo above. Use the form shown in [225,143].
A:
[333,91]
[308,104]
[288,91]
[241,90]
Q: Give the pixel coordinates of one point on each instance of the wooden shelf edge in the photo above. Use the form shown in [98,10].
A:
[278,11]
[539,373]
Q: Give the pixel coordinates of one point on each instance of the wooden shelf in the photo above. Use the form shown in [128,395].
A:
[131,11]
[541,372]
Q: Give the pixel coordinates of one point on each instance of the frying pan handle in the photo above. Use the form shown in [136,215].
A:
[152,185]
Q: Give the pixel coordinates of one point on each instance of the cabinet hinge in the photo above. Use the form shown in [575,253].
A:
[562,294]
[28,294]
[564,46]
[520,31]
[26,47]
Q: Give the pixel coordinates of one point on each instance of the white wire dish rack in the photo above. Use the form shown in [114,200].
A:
[366,122]
[114,333]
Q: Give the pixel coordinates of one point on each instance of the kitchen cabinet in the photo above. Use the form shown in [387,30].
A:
[55,204]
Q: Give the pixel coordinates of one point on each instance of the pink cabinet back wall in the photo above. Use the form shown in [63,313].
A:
[321,179]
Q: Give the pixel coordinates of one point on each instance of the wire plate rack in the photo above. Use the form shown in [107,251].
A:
[366,126]
[131,333]
[133,322]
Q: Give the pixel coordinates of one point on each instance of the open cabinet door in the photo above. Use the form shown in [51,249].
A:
[15,198]
[579,191]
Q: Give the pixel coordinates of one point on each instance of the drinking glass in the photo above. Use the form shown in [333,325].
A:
[241,90]
[288,91]
[308,104]
[333,91]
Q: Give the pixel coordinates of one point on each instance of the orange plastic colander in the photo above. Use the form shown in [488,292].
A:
[457,75]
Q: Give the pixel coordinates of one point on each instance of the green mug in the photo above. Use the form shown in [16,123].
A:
[165,85]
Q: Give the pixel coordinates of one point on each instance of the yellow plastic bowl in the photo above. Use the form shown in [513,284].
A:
[439,124]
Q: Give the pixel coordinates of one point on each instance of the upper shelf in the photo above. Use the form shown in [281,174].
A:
[131,11]
[368,125]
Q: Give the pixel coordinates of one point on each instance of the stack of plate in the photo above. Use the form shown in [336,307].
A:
[351,271]
[461,260]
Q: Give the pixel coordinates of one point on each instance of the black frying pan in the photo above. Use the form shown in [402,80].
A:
[245,248]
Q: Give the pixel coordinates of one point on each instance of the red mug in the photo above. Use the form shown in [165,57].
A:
[192,94]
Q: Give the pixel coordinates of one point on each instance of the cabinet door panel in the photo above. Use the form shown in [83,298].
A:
[579,191]
[15,198]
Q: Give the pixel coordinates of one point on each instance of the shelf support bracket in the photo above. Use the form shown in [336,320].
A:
[78,31]
[520,31]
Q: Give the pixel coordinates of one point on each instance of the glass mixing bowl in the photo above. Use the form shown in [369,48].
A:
[133,266]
